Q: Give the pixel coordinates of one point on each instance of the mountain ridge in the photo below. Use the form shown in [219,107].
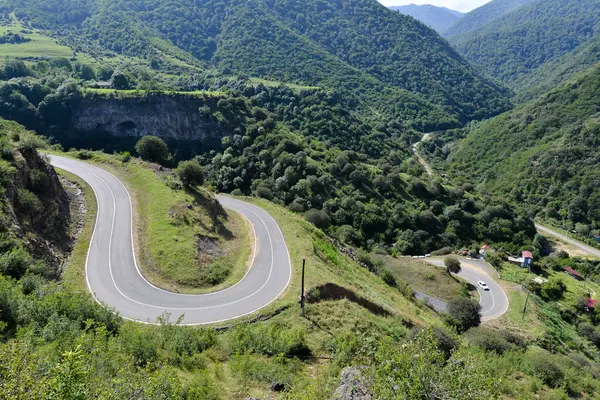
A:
[438,18]
[290,41]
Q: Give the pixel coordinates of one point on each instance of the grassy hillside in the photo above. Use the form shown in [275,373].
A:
[514,45]
[58,341]
[542,155]
[31,43]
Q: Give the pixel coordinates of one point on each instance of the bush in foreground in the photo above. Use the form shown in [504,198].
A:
[153,149]
[465,313]
[190,173]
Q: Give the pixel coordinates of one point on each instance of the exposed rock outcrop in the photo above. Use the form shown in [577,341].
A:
[39,208]
[353,385]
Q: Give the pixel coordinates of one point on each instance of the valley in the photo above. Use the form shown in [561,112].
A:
[298,200]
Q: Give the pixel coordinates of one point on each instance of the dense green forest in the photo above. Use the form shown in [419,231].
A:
[556,72]
[483,15]
[511,47]
[543,155]
[327,44]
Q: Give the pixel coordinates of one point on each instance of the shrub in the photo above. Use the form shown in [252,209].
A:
[264,192]
[452,265]
[589,332]
[32,142]
[29,203]
[270,340]
[489,340]
[190,173]
[388,277]
[7,173]
[153,149]
[15,263]
[318,218]
[29,283]
[39,181]
[466,313]
[84,154]
[217,272]
[122,80]
[494,259]
[554,289]
[446,343]
[444,251]
[125,157]
[543,365]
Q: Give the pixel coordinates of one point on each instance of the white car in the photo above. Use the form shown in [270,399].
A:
[483,285]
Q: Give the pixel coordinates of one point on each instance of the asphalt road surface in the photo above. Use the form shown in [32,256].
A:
[114,278]
[588,250]
[494,303]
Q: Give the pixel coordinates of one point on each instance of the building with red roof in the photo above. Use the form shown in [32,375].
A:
[574,273]
[527,259]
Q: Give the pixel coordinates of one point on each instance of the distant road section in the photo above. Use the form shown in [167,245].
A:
[587,249]
[422,161]
[494,302]
[114,278]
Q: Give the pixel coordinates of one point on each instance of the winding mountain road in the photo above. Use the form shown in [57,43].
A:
[115,280]
[494,302]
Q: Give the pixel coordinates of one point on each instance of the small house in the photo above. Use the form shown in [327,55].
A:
[573,273]
[591,303]
[527,259]
[483,249]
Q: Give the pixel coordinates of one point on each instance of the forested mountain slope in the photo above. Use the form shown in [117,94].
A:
[544,154]
[484,15]
[513,46]
[439,18]
[357,47]
[556,72]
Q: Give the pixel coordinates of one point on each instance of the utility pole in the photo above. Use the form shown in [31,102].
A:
[302,294]
[525,307]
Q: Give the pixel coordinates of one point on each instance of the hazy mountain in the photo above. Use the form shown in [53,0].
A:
[438,18]
[484,15]
[515,45]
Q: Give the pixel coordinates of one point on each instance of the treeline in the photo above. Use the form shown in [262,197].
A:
[407,72]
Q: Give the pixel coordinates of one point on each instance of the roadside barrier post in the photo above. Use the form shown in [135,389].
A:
[302,294]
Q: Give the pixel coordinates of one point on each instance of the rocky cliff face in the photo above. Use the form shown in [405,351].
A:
[175,117]
[38,207]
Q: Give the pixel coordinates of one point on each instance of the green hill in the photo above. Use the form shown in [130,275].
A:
[484,15]
[544,154]
[513,46]
[438,18]
[327,44]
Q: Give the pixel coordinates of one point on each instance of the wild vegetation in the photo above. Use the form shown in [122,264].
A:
[368,74]
[513,46]
[484,15]
[542,155]
[316,106]
[59,342]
